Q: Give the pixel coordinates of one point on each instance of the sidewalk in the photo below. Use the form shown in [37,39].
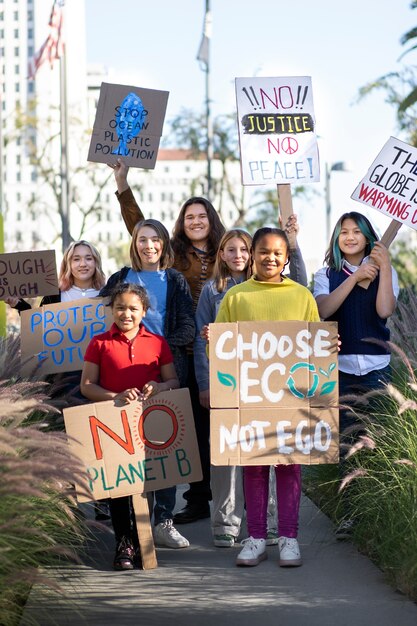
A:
[201,585]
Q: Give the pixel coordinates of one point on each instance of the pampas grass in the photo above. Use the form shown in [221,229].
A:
[39,521]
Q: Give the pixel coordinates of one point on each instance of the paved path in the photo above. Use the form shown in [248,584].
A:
[201,586]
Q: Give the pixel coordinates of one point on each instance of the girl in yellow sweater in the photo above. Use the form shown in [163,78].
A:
[270,296]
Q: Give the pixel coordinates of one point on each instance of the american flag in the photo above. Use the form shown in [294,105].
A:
[53,47]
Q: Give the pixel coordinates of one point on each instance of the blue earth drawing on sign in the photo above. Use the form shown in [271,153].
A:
[129,121]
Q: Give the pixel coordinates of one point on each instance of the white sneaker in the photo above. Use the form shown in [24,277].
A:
[254,551]
[289,552]
[166,535]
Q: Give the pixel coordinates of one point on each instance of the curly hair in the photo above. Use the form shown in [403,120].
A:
[138,290]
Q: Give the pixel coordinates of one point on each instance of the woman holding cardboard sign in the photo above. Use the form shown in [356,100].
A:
[196,236]
[360,313]
[268,295]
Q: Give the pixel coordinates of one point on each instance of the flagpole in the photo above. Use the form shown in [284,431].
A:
[64,162]
[3,320]
[209,139]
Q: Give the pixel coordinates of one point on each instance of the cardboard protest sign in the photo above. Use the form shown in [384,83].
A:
[28,274]
[274,393]
[128,123]
[277,136]
[54,337]
[136,447]
[390,185]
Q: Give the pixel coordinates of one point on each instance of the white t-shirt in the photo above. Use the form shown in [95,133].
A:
[357,364]
[76,293]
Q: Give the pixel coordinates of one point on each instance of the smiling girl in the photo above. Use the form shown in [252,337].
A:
[355,254]
[195,240]
[268,295]
[125,364]
[170,315]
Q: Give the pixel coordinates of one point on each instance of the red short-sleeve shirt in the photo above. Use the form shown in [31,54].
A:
[125,364]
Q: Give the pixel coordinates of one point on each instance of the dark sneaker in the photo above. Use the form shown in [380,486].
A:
[101,511]
[192,513]
[345,530]
[125,555]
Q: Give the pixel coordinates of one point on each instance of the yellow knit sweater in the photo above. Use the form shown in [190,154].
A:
[256,301]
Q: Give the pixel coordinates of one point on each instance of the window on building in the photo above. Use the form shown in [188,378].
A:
[187,168]
[18,141]
[163,216]
[15,15]
[109,216]
[2,33]
[17,69]
[18,235]
[18,159]
[17,87]
[31,87]
[30,51]
[16,33]
[108,236]
[19,216]
[166,169]
[30,16]
[34,176]
[30,33]
[150,197]
[99,237]
[18,197]
[16,51]
[163,196]
[18,177]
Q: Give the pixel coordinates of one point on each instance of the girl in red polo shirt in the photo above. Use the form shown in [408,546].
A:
[125,364]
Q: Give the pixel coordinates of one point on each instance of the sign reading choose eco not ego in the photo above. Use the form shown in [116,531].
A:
[274,393]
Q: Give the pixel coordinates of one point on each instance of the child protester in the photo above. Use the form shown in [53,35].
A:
[169,315]
[268,295]
[355,254]
[232,267]
[125,364]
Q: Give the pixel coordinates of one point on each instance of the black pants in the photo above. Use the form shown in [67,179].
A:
[199,493]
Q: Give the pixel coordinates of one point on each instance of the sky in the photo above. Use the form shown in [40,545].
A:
[341,45]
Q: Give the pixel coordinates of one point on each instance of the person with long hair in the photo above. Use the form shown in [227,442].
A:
[355,254]
[80,276]
[196,237]
[169,315]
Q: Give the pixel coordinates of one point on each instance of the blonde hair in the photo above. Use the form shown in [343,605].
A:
[66,279]
[221,271]
[167,255]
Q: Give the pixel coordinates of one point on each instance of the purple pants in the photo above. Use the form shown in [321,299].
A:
[256,482]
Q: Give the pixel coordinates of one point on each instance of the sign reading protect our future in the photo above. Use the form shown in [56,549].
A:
[274,393]
[54,337]
[136,447]
[277,134]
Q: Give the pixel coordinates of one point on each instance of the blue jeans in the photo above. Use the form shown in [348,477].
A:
[164,504]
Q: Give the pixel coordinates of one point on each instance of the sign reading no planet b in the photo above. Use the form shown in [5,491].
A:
[390,185]
[136,447]
[54,338]
[28,274]
[274,393]
[128,124]
[277,135]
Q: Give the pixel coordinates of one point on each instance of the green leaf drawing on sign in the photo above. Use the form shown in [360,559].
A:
[331,368]
[227,380]
[328,387]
